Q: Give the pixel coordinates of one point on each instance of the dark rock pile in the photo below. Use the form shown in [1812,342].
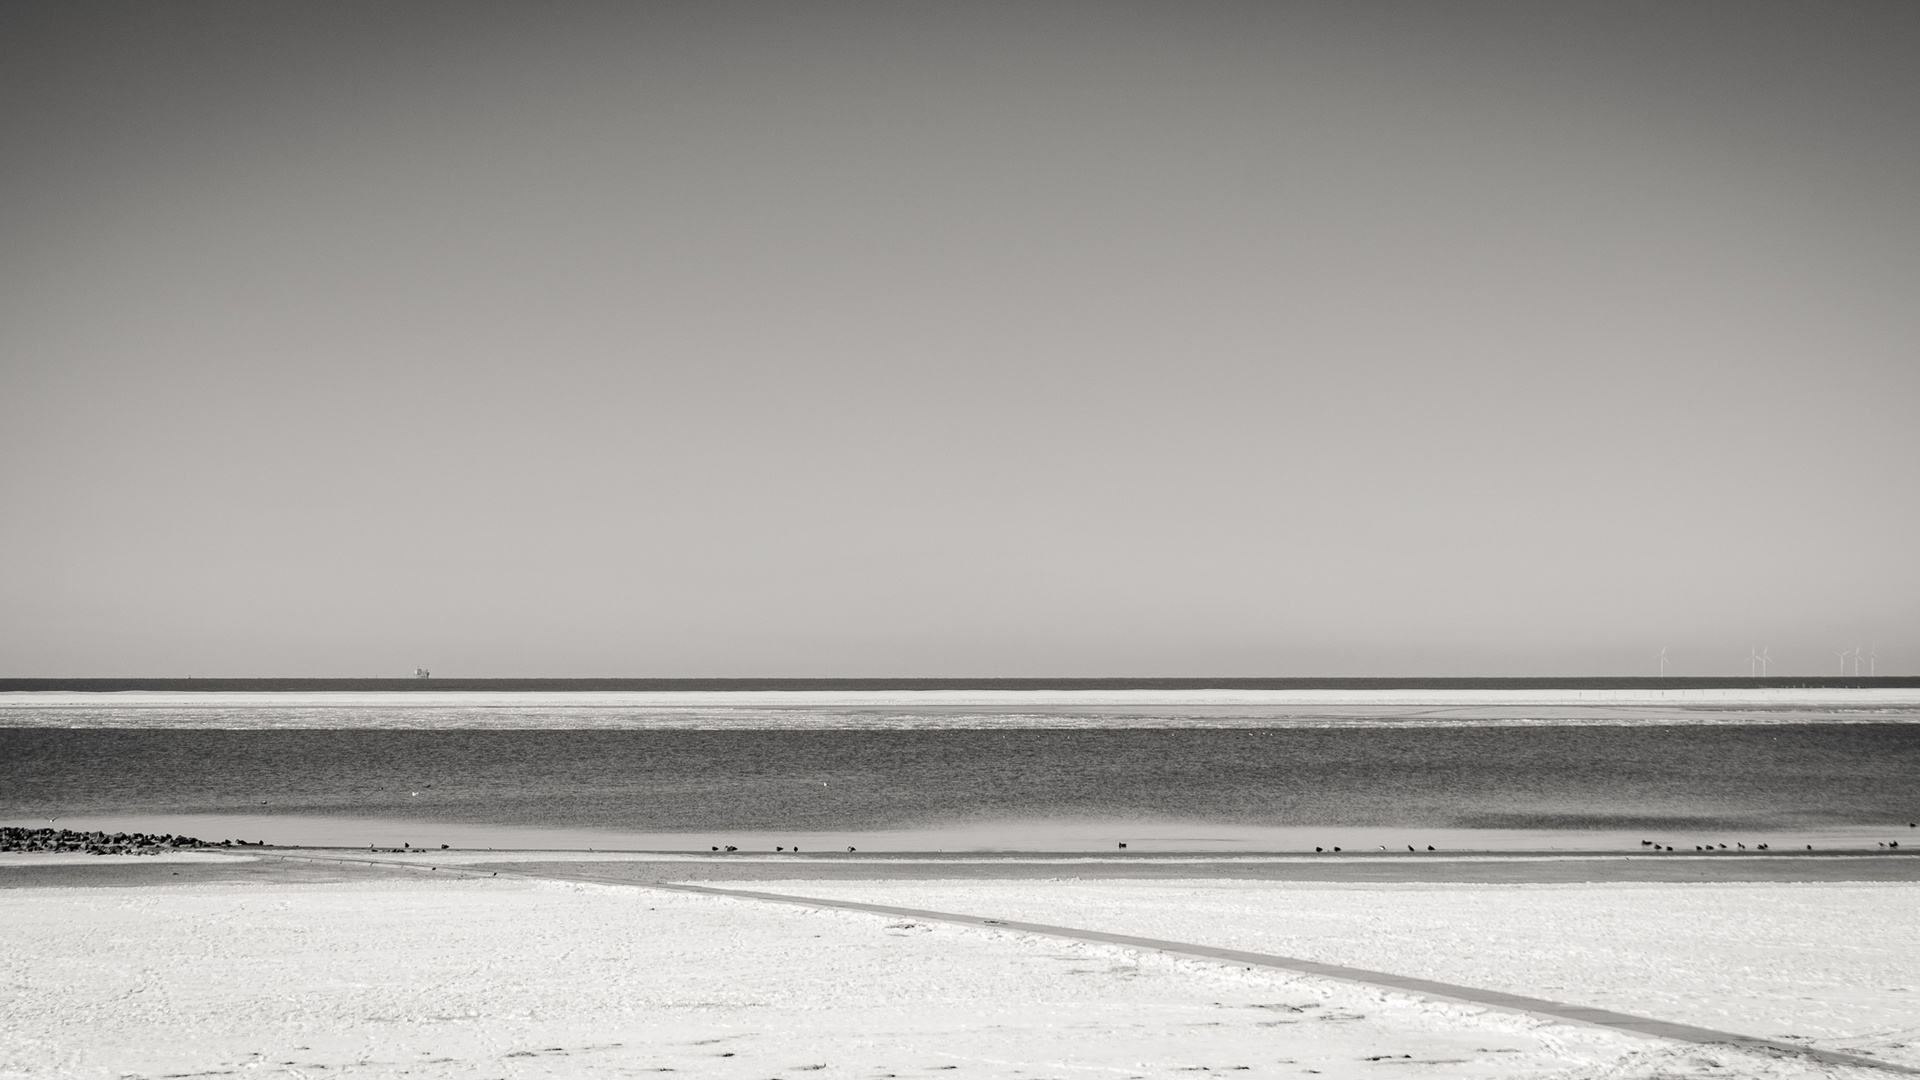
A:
[96,843]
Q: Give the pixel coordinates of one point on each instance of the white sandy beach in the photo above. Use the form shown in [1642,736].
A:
[502,977]
[1833,965]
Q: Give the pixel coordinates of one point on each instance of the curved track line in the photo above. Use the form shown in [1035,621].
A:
[1427,988]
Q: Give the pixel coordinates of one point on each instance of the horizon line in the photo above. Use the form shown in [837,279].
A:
[107,684]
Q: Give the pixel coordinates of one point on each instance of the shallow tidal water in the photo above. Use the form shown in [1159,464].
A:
[1585,786]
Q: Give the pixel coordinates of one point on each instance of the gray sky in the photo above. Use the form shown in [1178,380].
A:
[966,339]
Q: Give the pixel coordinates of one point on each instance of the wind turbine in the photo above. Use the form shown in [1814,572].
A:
[1873,654]
[1663,661]
[1843,660]
[1753,661]
[1766,662]
[1856,659]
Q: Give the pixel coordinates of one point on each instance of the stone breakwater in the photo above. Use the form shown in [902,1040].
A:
[98,843]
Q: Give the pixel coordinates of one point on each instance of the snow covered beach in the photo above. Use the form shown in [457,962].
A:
[282,970]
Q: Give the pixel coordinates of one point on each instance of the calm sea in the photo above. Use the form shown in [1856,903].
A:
[1272,788]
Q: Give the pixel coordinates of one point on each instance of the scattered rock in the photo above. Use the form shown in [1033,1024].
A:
[97,843]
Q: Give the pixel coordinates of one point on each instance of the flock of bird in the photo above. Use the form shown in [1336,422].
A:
[1651,845]
[780,848]
[1654,845]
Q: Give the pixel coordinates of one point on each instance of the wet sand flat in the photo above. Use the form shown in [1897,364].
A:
[325,865]
[133,871]
[1464,870]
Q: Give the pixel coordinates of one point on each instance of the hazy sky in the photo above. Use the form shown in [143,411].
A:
[961,339]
